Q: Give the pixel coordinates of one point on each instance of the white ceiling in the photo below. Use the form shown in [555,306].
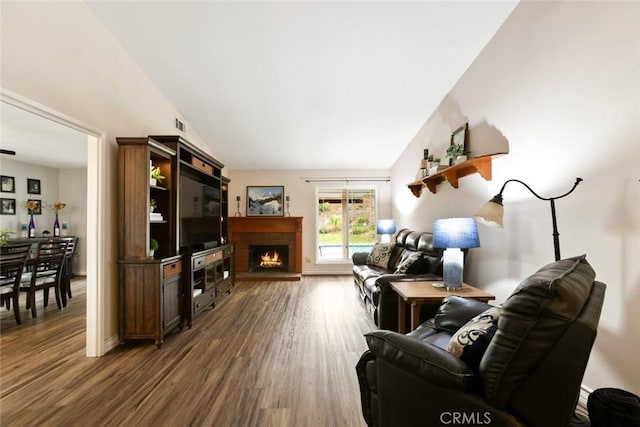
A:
[304,85]
[40,141]
[287,84]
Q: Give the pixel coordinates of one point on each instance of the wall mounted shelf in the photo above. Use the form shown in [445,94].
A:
[481,165]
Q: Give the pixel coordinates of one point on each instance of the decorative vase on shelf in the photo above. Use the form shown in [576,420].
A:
[56,227]
[32,227]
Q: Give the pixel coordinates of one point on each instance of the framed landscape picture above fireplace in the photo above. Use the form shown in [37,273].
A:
[265,201]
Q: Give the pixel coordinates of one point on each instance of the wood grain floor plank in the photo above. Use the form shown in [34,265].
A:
[270,354]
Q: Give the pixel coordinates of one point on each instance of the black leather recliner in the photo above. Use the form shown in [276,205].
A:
[530,373]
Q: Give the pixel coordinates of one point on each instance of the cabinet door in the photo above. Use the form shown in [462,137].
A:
[171,295]
[172,304]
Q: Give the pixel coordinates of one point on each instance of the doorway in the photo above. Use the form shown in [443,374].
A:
[95,202]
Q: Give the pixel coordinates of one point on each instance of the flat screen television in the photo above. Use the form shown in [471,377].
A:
[199,214]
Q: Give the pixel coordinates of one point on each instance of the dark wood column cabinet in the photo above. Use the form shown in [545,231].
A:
[182,216]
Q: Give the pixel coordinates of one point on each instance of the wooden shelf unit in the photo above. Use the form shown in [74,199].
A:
[156,293]
[149,288]
[452,174]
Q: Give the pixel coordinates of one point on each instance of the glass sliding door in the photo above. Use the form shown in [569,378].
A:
[345,222]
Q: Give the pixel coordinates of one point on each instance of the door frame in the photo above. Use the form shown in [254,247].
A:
[96,217]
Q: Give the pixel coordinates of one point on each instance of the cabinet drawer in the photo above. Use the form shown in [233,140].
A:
[199,262]
[172,269]
[216,256]
[204,300]
[200,165]
[224,287]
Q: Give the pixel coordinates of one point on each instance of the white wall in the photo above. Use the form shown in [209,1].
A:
[303,203]
[60,56]
[559,86]
[66,185]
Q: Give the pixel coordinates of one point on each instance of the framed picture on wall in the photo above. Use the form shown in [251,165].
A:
[38,209]
[265,201]
[33,186]
[7,206]
[8,184]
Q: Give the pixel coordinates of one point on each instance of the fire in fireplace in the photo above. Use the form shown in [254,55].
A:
[268,258]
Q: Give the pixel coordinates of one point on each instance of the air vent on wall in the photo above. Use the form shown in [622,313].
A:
[180,125]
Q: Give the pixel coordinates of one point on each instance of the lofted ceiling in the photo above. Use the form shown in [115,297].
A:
[40,141]
[301,84]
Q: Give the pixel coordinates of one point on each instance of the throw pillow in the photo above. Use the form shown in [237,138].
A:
[407,261]
[380,254]
[470,341]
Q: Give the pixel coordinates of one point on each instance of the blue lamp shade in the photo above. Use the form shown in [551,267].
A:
[385,226]
[454,234]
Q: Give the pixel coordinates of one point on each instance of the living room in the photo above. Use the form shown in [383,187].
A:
[558,81]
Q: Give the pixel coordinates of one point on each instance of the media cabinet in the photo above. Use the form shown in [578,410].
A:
[192,267]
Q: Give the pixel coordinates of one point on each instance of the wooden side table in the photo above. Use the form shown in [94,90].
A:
[417,293]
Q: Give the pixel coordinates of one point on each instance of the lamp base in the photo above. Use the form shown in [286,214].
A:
[453,260]
[385,238]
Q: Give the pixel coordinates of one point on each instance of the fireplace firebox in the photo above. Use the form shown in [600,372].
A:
[264,258]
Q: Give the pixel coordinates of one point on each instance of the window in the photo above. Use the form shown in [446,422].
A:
[346,219]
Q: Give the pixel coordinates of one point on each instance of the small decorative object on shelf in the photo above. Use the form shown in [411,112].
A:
[31,205]
[156,176]
[65,228]
[457,151]
[153,246]
[237,207]
[287,199]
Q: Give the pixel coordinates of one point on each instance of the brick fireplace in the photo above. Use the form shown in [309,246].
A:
[281,232]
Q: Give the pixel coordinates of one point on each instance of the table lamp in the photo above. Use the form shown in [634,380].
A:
[454,234]
[492,212]
[385,227]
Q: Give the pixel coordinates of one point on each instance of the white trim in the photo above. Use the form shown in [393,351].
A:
[583,398]
[96,203]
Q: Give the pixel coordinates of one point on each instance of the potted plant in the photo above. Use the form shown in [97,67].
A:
[4,236]
[153,246]
[156,176]
[434,165]
[152,205]
[456,152]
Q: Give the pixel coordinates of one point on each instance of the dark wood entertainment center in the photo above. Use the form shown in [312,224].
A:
[193,265]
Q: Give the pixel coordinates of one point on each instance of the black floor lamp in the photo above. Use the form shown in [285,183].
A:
[492,212]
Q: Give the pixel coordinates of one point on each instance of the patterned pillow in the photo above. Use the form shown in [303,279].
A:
[380,254]
[470,341]
[407,261]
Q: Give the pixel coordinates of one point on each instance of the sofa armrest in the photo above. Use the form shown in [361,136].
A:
[455,311]
[359,258]
[422,359]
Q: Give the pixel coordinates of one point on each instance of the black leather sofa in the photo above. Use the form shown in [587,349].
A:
[372,282]
[528,373]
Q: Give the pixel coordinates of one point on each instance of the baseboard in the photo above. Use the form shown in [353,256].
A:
[583,399]
[111,343]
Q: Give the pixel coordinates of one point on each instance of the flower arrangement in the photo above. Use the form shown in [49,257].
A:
[31,205]
[57,206]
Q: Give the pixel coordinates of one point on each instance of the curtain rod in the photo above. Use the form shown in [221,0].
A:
[347,180]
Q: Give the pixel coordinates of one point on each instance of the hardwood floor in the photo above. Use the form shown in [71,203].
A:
[270,354]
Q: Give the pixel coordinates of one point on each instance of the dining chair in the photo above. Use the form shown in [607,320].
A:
[72,246]
[45,273]
[12,261]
